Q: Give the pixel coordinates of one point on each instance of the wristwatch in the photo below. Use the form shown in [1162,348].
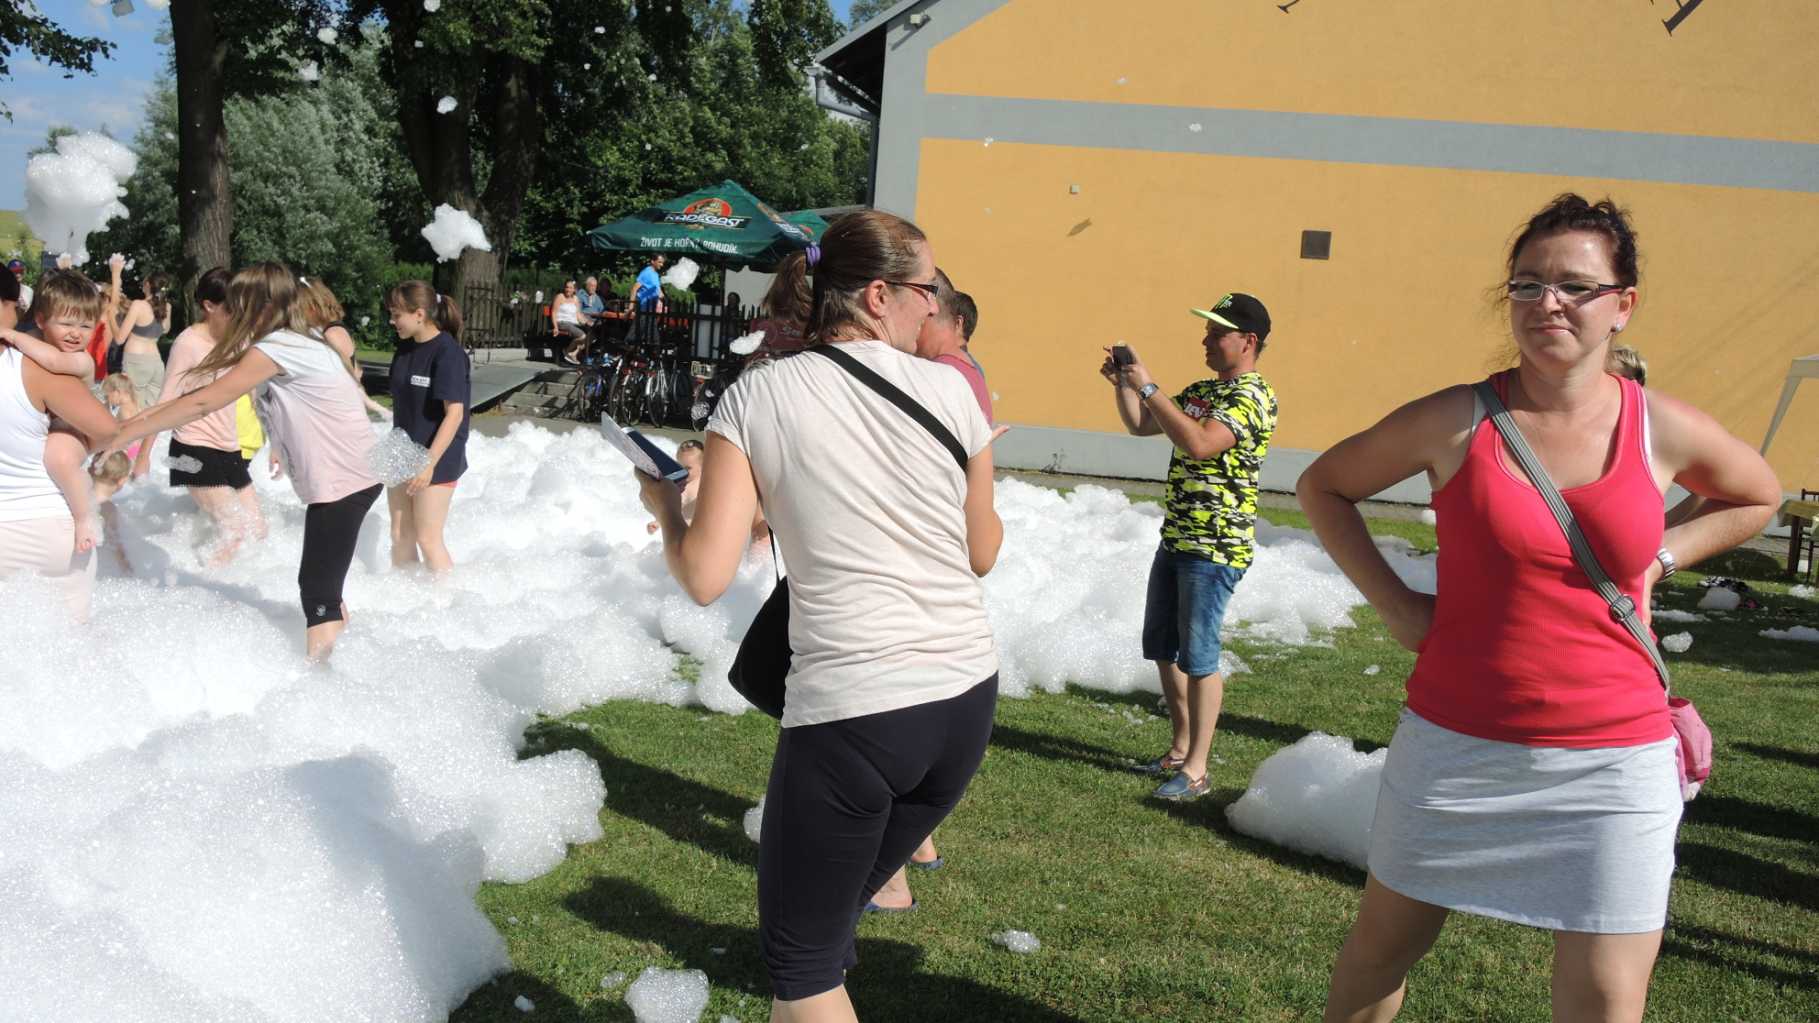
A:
[1144,392]
[1668,565]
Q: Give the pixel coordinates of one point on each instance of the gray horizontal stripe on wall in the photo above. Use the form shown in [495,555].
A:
[1337,138]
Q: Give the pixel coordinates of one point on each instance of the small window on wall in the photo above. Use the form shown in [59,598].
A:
[1316,245]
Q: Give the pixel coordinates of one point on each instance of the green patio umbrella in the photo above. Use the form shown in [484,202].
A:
[722,224]
[809,221]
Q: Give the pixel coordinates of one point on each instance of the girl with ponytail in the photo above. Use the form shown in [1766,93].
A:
[317,423]
[147,319]
[431,394]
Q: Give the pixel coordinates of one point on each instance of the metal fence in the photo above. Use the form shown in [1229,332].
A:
[695,328]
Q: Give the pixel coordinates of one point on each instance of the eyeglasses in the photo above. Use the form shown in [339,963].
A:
[933,291]
[1568,292]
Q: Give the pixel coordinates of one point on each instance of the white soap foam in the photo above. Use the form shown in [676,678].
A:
[746,344]
[396,458]
[1671,615]
[1799,634]
[682,273]
[453,230]
[754,821]
[202,826]
[667,996]
[446,104]
[1720,598]
[1678,643]
[1318,796]
[1021,942]
[75,191]
[327,35]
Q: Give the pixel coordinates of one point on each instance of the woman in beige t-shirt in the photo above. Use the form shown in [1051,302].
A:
[893,678]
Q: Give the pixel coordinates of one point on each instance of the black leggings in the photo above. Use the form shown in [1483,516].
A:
[847,804]
[330,531]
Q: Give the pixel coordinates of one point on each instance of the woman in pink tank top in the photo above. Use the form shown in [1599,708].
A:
[1532,777]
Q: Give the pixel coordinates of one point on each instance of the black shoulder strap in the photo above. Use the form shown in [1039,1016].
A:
[896,397]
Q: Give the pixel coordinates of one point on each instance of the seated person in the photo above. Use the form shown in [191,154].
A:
[565,321]
[593,304]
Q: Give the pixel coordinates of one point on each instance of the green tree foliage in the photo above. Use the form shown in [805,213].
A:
[557,98]
[23,27]
[730,114]
[318,179]
[863,11]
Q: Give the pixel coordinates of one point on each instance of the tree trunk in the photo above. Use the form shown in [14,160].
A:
[205,203]
[506,90]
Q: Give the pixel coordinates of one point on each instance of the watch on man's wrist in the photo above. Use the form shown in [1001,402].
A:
[1144,392]
[1668,565]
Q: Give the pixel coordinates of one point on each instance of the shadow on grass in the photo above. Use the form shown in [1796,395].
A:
[1209,812]
[495,1000]
[1054,747]
[1730,952]
[1736,645]
[1747,564]
[687,811]
[1753,817]
[1799,758]
[1748,875]
[888,984]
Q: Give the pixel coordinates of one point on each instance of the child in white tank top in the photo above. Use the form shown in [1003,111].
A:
[64,449]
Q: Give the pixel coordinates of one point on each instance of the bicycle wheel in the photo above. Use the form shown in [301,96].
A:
[617,395]
[656,402]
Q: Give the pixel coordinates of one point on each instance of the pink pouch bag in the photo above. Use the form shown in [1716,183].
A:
[1693,754]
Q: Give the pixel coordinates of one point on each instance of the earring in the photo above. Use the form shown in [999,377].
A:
[1616,328]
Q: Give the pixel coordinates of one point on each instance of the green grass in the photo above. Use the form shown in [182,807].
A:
[1156,912]
[12,227]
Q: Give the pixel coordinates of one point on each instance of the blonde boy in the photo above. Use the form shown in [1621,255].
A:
[64,309]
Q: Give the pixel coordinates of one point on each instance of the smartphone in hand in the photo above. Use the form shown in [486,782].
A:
[1121,355]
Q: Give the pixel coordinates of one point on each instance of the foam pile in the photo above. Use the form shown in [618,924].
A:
[73,192]
[1020,942]
[682,273]
[667,996]
[1799,634]
[203,827]
[395,458]
[1318,796]
[746,344]
[453,230]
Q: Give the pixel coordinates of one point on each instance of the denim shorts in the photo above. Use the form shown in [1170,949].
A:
[1185,609]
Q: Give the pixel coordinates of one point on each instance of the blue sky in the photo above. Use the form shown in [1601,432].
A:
[114,96]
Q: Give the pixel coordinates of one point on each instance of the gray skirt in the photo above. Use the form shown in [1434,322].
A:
[1566,839]
[146,371]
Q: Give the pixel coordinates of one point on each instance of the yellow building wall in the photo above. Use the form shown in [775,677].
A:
[1730,289]
[1733,69]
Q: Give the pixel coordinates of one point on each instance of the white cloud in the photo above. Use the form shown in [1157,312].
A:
[32,66]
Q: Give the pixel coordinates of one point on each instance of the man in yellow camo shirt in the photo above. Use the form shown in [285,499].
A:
[1221,430]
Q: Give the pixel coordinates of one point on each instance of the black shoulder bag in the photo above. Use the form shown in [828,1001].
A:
[764,655]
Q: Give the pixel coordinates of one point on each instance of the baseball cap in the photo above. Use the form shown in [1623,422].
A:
[1239,312]
[16,265]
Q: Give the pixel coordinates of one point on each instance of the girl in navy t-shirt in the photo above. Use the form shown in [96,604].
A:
[431,393]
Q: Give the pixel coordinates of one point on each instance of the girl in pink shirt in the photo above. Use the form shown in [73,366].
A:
[317,421]
[211,468]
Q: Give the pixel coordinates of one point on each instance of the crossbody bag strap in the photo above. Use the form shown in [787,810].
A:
[893,394]
[1623,609]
